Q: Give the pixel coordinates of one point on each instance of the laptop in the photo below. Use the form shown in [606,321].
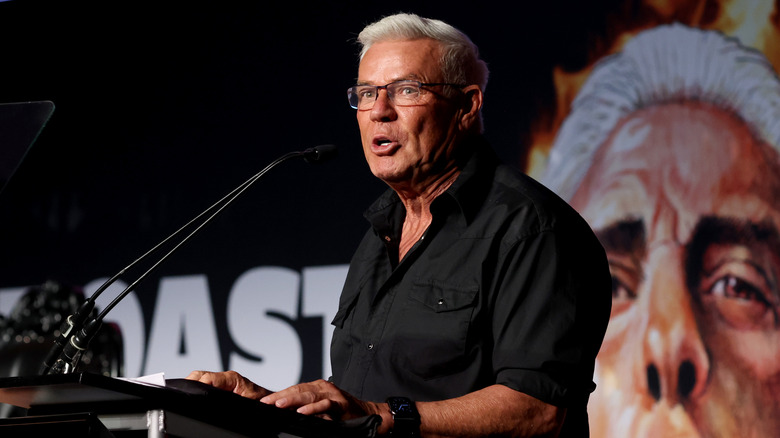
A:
[20,124]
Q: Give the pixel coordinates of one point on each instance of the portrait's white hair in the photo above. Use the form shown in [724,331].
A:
[670,63]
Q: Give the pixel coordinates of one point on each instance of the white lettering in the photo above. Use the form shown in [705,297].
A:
[262,304]
[260,301]
[183,334]
[8,298]
[321,289]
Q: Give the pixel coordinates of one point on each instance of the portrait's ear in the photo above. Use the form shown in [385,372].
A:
[472,104]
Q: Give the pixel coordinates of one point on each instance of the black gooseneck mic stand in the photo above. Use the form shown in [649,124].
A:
[78,329]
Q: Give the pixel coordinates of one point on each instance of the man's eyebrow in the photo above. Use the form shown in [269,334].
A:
[626,236]
[409,77]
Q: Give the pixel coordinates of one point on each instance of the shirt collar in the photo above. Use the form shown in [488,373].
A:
[473,184]
[467,193]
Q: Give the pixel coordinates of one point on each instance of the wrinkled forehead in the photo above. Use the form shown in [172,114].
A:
[400,59]
[670,164]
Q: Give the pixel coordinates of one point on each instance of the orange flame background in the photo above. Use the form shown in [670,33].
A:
[755,23]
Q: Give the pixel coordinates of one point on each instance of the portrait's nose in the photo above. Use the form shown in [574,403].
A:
[675,365]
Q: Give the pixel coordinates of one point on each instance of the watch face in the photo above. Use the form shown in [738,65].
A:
[401,405]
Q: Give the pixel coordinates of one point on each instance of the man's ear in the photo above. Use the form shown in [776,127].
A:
[472,104]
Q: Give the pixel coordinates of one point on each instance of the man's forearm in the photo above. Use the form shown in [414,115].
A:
[492,411]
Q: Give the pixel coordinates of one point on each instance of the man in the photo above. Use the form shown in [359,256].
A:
[478,300]
[671,154]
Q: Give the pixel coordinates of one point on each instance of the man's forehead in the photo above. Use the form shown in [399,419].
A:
[400,59]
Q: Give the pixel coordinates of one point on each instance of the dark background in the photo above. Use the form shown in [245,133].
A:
[160,111]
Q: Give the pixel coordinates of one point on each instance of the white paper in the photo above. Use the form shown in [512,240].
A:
[150,380]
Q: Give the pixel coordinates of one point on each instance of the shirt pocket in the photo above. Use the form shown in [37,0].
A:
[345,308]
[432,341]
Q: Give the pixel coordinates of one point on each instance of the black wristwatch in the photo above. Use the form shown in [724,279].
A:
[406,420]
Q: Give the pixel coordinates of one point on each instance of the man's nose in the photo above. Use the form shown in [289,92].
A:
[676,366]
[383,110]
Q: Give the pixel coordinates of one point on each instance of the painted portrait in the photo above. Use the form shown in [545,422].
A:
[670,152]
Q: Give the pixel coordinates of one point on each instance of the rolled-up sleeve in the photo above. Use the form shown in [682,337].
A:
[549,315]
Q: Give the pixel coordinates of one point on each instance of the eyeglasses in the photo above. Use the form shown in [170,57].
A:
[401,93]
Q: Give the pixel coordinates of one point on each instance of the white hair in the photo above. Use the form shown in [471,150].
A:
[670,63]
[460,62]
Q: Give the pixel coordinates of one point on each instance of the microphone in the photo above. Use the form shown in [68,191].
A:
[320,153]
[78,330]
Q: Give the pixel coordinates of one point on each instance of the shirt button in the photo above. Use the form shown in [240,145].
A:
[370,346]
[441,301]
[387,238]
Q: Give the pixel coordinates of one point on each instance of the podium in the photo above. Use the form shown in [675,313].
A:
[91,405]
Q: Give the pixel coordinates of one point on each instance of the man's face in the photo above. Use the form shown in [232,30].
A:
[686,204]
[407,146]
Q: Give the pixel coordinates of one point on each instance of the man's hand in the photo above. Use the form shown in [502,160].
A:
[320,398]
[231,381]
[326,400]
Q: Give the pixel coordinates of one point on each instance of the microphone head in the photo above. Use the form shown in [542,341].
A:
[319,154]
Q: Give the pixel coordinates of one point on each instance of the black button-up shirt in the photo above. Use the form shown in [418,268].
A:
[508,285]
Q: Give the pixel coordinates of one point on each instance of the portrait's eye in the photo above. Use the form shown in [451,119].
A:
[740,303]
[625,283]
[620,291]
[736,288]
[730,286]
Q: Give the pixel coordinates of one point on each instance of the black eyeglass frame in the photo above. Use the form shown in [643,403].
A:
[352,91]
